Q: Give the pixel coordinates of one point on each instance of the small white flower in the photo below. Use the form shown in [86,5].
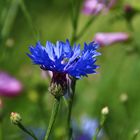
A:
[105,110]
[123,97]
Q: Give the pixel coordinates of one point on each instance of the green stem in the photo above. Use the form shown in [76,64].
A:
[65,101]
[97,132]
[85,28]
[75,16]
[28,18]
[70,105]
[102,121]
[27,131]
[69,129]
[11,15]
[53,117]
[75,5]
[1,133]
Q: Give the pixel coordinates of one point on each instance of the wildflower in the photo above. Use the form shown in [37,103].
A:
[9,86]
[105,39]
[62,60]
[94,7]
[105,110]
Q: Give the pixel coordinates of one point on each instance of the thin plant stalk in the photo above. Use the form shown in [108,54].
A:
[29,19]
[97,132]
[30,133]
[75,5]
[1,133]
[70,105]
[10,18]
[85,28]
[53,117]
[102,121]
[75,16]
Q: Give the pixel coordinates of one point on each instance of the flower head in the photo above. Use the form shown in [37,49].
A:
[15,118]
[92,7]
[105,39]
[105,110]
[9,86]
[62,59]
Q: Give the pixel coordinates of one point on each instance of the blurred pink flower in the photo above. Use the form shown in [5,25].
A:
[105,39]
[93,7]
[9,86]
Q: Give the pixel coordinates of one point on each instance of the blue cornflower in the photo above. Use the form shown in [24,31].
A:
[62,59]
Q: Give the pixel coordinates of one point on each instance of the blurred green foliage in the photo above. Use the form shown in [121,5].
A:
[119,70]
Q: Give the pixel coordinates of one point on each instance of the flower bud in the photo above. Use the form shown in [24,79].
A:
[128,8]
[15,118]
[56,90]
[123,97]
[105,111]
[10,42]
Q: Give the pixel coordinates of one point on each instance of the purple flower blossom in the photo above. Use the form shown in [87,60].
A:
[64,61]
[94,7]
[9,86]
[105,39]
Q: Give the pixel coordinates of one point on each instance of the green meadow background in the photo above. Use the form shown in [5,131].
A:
[119,70]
